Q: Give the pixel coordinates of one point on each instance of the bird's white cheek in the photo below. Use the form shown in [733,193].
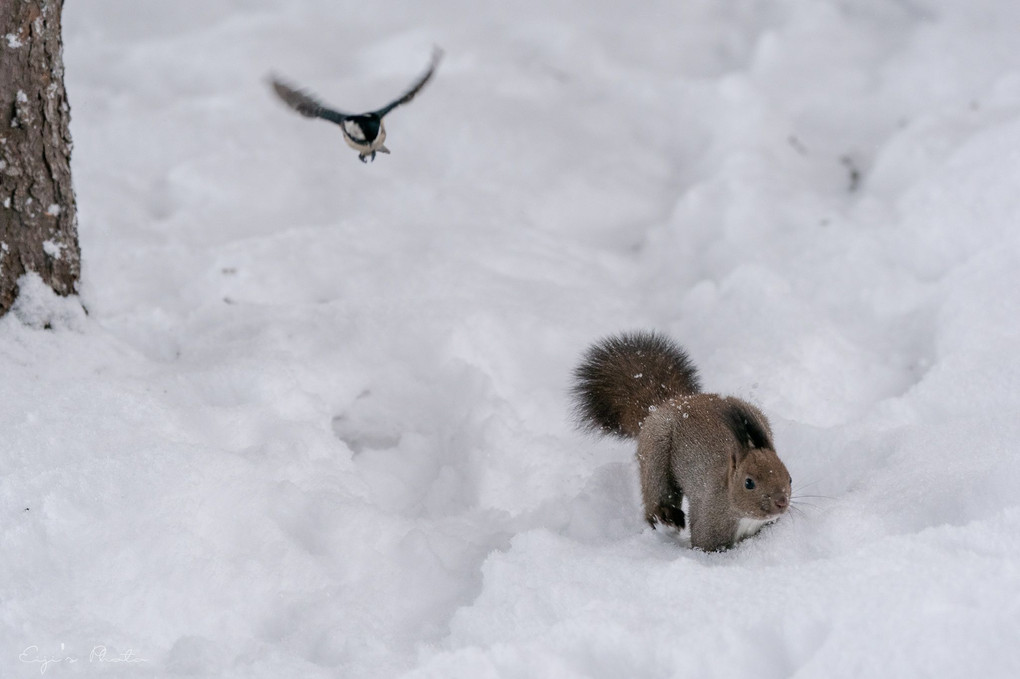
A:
[354,130]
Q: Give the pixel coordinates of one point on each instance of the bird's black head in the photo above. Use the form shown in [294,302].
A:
[362,129]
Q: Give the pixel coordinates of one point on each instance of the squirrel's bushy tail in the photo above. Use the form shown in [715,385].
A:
[621,377]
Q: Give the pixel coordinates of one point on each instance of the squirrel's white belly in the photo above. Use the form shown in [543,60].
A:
[748,527]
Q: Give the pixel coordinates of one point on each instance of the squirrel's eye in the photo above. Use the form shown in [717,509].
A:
[749,483]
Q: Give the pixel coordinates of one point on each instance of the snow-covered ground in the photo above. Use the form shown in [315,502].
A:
[316,423]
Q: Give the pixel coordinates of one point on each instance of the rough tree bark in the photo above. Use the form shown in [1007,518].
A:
[38,218]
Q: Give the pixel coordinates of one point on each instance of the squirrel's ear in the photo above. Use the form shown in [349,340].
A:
[746,428]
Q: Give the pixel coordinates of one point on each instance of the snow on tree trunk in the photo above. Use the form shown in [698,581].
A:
[38,219]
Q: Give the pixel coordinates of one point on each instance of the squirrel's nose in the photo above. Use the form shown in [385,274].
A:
[782,502]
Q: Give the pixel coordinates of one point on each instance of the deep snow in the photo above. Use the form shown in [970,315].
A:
[315,422]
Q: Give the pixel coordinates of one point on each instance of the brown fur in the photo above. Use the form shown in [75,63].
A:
[703,446]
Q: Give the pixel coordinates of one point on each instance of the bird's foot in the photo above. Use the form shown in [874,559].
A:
[362,157]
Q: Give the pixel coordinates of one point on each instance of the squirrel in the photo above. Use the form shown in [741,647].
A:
[715,450]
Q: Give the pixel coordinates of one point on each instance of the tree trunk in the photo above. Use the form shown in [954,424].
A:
[38,219]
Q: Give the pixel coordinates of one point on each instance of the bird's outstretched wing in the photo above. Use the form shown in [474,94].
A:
[305,104]
[407,96]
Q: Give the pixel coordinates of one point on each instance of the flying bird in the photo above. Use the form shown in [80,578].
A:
[363,132]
